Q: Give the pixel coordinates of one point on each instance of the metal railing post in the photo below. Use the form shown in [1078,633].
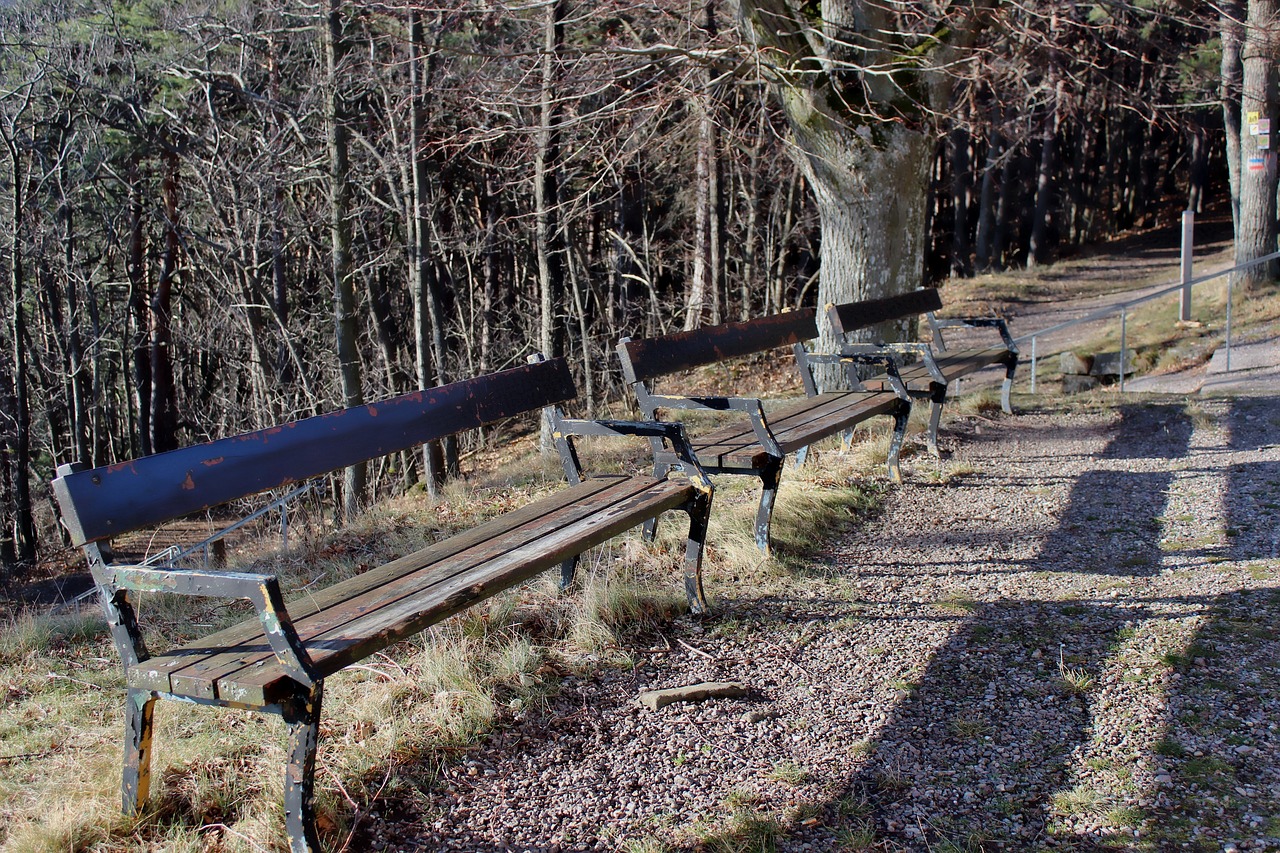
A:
[1033,364]
[1124,324]
[1231,280]
[1188,238]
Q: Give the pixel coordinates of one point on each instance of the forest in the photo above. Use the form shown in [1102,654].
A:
[221,215]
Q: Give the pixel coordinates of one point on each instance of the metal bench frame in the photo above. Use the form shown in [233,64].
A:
[938,366]
[762,449]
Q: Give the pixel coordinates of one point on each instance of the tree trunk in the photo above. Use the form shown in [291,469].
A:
[1232,20]
[422,287]
[355,477]
[1198,170]
[164,415]
[24,532]
[1256,231]
[871,202]
[700,279]
[139,302]
[983,239]
[1038,244]
[546,186]
[961,192]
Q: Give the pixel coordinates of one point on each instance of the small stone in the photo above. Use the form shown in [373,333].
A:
[655,699]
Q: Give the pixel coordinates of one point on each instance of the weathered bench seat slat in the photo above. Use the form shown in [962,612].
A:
[953,365]
[796,426]
[756,442]
[423,588]
[229,649]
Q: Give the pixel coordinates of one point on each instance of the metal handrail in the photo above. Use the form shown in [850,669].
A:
[1123,309]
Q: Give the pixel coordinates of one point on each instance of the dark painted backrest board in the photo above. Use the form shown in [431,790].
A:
[102,502]
[649,357]
[857,315]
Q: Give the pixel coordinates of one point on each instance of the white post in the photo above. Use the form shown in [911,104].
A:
[1188,237]
[1124,322]
[1033,365]
[1231,280]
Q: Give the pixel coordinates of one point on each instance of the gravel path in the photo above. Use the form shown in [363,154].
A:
[1062,637]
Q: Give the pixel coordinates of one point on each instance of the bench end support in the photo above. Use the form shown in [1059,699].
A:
[901,415]
[302,715]
[139,717]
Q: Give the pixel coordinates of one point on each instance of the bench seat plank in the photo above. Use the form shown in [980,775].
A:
[370,611]
[953,364]
[796,425]
[193,674]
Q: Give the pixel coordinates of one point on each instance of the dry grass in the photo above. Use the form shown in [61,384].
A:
[393,721]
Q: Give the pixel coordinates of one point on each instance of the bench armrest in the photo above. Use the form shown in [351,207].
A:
[852,354]
[262,590]
[997,323]
[752,407]
[920,348]
[670,431]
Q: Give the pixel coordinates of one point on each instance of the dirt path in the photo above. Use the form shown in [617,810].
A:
[1060,638]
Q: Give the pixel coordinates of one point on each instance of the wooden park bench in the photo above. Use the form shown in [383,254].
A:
[277,661]
[757,443]
[937,366]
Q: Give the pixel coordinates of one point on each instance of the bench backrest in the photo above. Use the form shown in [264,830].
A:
[102,502]
[647,358]
[850,316]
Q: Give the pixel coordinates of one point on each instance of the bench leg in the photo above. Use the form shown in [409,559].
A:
[900,417]
[650,531]
[699,513]
[139,723]
[1007,387]
[568,569]
[801,456]
[769,479]
[302,716]
[938,398]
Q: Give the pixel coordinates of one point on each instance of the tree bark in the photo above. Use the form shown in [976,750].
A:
[862,138]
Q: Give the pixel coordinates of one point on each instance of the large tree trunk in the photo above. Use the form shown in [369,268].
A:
[1256,228]
[863,142]
[344,297]
[871,202]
